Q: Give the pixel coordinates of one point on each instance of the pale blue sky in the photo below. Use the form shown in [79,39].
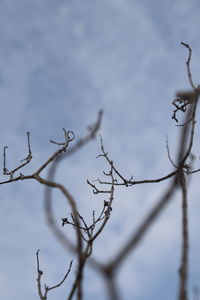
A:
[60,62]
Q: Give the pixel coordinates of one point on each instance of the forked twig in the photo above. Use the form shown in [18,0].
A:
[43,295]
[27,159]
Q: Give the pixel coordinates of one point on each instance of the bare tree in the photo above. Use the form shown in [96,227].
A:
[86,234]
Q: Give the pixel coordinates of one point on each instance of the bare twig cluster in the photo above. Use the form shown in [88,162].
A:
[85,233]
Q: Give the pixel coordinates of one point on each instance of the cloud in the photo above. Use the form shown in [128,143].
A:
[60,63]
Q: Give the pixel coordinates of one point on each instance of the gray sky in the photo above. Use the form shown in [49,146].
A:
[60,62]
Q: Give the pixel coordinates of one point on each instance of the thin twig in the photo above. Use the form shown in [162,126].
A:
[40,273]
[27,159]
[168,153]
[46,288]
[137,236]
[105,154]
[188,65]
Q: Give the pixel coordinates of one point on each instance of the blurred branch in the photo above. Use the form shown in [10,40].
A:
[183,270]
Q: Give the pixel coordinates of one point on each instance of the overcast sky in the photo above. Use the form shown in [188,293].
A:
[60,62]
